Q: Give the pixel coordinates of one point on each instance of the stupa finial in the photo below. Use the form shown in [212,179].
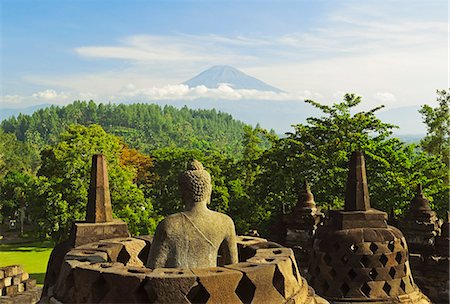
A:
[357,195]
[99,199]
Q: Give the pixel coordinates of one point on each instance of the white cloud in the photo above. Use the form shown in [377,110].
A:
[385,97]
[50,95]
[222,92]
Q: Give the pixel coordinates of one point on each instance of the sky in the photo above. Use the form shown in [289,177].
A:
[390,52]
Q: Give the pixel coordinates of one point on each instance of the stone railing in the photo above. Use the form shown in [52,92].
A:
[112,271]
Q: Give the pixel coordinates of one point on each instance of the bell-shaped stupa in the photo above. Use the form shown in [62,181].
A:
[356,256]
[420,224]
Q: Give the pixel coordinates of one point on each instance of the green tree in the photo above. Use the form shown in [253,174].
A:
[437,140]
[64,181]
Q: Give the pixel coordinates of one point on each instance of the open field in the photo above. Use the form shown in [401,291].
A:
[33,256]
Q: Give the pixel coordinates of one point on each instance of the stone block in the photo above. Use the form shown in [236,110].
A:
[2,273]
[30,284]
[111,249]
[219,285]
[83,233]
[89,285]
[148,239]
[17,279]
[256,285]
[12,270]
[129,255]
[170,285]
[5,282]
[87,256]
[12,290]
[64,289]
[130,280]
[285,277]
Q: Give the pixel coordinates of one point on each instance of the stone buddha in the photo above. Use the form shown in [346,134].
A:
[193,238]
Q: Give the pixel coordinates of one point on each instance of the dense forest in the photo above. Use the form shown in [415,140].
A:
[142,126]
[45,162]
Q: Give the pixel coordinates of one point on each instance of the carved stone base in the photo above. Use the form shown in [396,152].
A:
[84,233]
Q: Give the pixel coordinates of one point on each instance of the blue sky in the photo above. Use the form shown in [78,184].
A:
[390,52]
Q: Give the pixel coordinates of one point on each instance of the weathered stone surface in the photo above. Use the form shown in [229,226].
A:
[220,284]
[111,249]
[130,280]
[64,288]
[357,257]
[170,285]
[129,254]
[193,238]
[256,285]
[83,233]
[87,256]
[99,200]
[420,224]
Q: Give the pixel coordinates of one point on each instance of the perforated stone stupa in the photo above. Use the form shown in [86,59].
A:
[356,256]
[420,224]
[301,224]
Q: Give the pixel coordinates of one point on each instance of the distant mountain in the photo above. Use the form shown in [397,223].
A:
[9,112]
[223,74]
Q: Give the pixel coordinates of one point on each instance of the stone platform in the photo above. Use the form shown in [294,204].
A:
[111,271]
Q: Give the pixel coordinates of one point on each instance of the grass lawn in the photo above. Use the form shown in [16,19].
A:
[32,256]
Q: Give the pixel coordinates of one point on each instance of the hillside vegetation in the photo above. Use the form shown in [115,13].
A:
[256,176]
[142,126]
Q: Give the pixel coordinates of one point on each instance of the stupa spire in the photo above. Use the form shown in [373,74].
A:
[305,197]
[99,199]
[357,195]
[420,202]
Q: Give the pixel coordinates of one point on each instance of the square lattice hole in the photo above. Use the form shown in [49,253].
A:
[373,247]
[387,288]
[392,272]
[391,246]
[344,289]
[365,261]
[366,289]
[398,257]
[383,259]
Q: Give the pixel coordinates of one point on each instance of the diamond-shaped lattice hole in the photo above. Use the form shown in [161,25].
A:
[327,259]
[392,272]
[402,285]
[352,274]
[325,286]
[373,273]
[333,273]
[198,294]
[383,259]
[336,246]
[278,281]
[398,257]
[344,259]
[391,246]
[344,289]
[365,261]
[387,288]
[373,247]
[366,289]
[245,290]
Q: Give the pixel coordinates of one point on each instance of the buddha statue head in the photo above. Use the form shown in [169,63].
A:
[195,185]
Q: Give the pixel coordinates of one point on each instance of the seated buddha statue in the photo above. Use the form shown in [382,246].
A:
[193,238]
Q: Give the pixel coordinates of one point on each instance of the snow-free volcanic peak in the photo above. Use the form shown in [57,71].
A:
[223,74]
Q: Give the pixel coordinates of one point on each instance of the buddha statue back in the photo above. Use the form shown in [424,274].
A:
[193,238]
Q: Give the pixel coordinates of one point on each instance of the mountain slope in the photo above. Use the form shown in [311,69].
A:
[9,112]
[223,74]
